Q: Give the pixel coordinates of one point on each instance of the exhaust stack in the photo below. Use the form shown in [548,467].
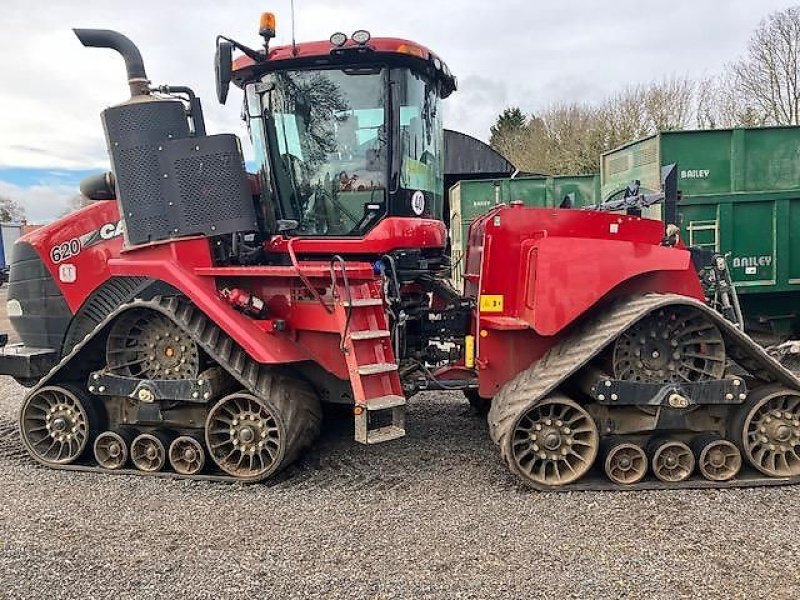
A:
[134,65]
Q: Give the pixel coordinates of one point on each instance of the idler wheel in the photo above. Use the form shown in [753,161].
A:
[244,436]
[54,422]
[554,442]
[768,428]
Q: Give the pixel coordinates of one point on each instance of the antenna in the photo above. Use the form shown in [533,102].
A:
[294,45]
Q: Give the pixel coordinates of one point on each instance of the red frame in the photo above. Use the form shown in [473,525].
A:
[383,45]
[550,266]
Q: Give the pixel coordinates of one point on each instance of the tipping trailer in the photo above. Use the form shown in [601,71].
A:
[471,198]
[193,319]
[740,196]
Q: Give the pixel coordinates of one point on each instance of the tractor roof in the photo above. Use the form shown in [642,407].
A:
[324,53]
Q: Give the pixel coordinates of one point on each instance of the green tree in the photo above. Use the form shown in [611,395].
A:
[510,122]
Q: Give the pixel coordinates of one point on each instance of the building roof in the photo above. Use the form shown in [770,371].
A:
[466,155]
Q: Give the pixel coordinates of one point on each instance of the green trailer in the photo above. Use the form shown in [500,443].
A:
[740,194]
[468,199]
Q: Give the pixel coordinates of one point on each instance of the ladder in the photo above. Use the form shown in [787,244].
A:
[380,404]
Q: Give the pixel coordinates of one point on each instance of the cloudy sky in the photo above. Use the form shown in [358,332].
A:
[505,52]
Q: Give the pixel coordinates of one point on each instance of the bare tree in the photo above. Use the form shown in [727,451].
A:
[720,104]
[769,73]
[568,138]
[10,210]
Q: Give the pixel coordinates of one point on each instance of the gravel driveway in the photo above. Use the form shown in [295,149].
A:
[432,516]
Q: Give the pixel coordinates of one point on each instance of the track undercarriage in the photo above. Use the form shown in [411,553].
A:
[657,391]
[175,394]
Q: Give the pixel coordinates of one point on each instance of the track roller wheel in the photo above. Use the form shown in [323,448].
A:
[252,437]
[624,463]
[717,459]
[56,424]
[768,429]
[554,442]
[186,455]
[671,461]
[111,450]
[148,453]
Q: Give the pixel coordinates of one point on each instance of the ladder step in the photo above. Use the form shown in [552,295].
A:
[377,369]
[385,434]
[384,402]
[369,334]
[359,302]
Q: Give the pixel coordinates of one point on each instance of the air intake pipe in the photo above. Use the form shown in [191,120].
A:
[105,38]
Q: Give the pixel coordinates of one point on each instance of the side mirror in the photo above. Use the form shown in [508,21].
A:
[223,64]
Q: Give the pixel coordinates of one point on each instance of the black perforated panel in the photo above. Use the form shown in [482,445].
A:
[136,134]
[170,184]
[208,184]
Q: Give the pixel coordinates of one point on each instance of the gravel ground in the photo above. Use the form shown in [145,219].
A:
[432,516]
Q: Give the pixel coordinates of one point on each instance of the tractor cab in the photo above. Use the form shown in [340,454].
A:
[347,133]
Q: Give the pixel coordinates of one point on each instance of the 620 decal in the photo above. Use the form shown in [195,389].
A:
[65,250]
[72,247]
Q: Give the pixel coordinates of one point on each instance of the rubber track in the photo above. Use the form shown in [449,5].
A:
[104,300]
[295,402]
[587,341]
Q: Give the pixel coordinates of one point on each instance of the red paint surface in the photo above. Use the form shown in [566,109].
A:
[323,48]
[554,266]
[551,267]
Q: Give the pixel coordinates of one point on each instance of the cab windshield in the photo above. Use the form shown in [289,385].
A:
[329,129]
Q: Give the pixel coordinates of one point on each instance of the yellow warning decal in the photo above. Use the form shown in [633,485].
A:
[492,303]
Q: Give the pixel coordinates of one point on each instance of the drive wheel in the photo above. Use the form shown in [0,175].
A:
[625,463]
[769,428]
[186,455]
[146,344]
[674,344]
[55,425]
[147,453]
[554,442]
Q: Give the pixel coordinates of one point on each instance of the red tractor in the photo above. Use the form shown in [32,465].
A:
[193,319]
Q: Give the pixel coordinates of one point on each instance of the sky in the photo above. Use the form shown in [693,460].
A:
[524,53]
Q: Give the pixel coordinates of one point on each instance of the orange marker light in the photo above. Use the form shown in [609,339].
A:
[412,50]
[266,26]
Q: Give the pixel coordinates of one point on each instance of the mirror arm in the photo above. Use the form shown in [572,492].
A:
[256,55]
